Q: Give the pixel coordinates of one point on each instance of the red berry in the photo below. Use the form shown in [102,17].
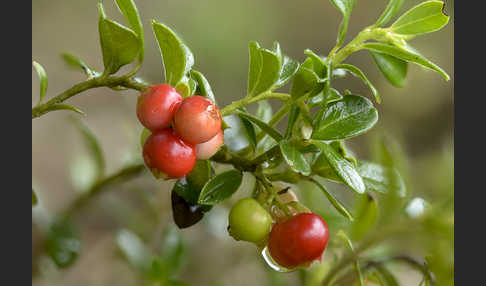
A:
[157,105]
[207,149]
[197,119]
[167,153]
[298,240]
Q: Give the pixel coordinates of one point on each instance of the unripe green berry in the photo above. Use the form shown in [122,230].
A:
[249,221]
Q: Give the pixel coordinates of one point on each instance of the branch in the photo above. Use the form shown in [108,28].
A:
[100,81]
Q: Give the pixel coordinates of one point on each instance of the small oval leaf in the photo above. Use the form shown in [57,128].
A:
[390,11]
[394,69]
[358,73]
[203,87]
[294,158]
[43,80]
[343,168]
[221,187]
[343,119]
[424,18]
[264,126]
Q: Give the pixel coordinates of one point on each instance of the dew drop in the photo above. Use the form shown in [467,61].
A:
[274,265]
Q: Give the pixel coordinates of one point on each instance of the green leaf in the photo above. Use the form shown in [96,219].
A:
[357,72]
[334,202]
[269,72]
[183,87]
[255,65]
[177,58]
[190,186]
[65,107]
[294,158]
[75,62]
[424,18]
[130,11]
[293,116]
[305,80]
[385,276]
[119,45]
[406,54]
[264,126]
[93,146]
[134,250]
[377,178]
[287,71]
[34,198]
[342,167]
[221,187]
[366,216]
[62,242]
[390,11]
[319,65]
[172,250]
[203,87]
[264,111]
[249,131]
[342,235]
[333,96]
[43,80]
[344,119]
[345,7]
[394,69]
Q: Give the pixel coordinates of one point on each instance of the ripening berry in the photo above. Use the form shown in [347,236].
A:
[157,105]
[197,119]
[207,149]
[299,240]
[167,153]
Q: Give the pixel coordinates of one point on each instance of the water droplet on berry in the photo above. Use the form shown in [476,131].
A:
[274,265]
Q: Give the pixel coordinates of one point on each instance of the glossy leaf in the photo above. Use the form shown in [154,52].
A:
[264,126]
[130,11]
[319,65]
[75,62]
[43,79]
[288,69]
[62,242]
[249,131]
[269,72]
[185,214]
[377,178]
[255,65]
[343,119]
[359,73]
[394,69]
[134,249]
[406,54]
[294,158]
[345,7]
[65,107]
[334,201]
[34,198]
[177,58]
[203,87]
[342,167]
[366,216]
[390,11]
[304,81]
[333,96]
[119,45]
[190,186]
[293,116]
[424,18]
[221,187]
[92,144]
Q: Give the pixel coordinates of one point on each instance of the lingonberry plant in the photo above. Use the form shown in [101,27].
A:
[184,131]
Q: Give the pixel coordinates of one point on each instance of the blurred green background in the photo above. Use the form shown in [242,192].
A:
[419,116]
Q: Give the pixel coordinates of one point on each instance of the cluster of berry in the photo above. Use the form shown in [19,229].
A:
[179,131]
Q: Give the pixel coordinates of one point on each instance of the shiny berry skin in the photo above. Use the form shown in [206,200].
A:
[249,221]
[167,153]
[197,119]
[157,105]
[207,149]
[298,240]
